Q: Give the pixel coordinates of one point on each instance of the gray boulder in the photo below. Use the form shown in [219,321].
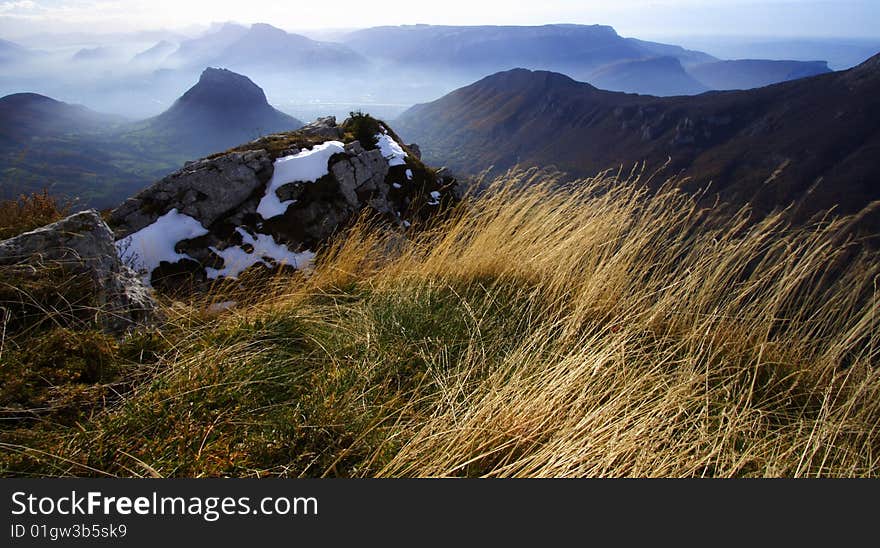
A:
[82,245]
[324,128]
[206,190]
[361,175]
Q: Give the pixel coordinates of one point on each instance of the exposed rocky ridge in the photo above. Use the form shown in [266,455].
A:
[82,247]
[205,189]
[275,201]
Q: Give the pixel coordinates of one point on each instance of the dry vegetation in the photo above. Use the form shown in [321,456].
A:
[29,212]
[594,331]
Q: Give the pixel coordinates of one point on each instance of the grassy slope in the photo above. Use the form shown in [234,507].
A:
[597,331]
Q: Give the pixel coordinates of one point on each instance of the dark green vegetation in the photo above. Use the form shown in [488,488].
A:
[364,129]
[278,394]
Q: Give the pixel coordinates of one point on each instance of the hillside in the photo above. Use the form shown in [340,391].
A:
[63,148]
[26,116]
[813,141]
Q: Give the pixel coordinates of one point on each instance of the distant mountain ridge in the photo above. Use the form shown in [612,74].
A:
[664,76]
[73,151]
[812,141]
[261,46]
[591,53]
[754,73]
[29,115]
[579,49]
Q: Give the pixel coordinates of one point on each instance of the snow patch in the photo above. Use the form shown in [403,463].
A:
[435,198]
[307,166]
[390,149]
[396,185]
[409,175]
[266,251]
[147,248]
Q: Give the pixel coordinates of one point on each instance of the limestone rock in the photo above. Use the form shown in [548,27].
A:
[82,245]
[324,128]
[205,190]
[361,176]
[218,203]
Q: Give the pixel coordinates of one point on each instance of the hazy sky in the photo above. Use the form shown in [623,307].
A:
[845,18]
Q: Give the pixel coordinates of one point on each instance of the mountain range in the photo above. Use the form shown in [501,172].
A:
[262,46]
[596,54]
[814,142]
[102,159]
[390,66]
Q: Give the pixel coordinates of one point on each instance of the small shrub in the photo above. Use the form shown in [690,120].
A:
[29,212]
[363,128]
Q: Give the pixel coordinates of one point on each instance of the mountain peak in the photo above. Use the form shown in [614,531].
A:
[223,109]
[526,78]
[222,88]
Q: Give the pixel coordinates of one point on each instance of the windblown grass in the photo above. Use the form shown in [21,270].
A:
[590,330]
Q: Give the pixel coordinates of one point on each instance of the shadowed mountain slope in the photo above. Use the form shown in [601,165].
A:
[813,142]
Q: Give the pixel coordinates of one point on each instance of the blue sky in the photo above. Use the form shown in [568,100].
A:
[842,18]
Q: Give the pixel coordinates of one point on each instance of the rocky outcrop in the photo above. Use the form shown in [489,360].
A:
[82,246]
[274,202]
[205,190]
[325,128]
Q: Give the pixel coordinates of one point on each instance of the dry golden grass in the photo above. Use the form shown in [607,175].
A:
[29,212]
[652,345]
[538,331]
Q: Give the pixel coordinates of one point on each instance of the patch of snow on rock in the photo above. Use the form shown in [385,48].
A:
[307,166]
[391,150]
[147,248]
[409,175]
[266,250]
